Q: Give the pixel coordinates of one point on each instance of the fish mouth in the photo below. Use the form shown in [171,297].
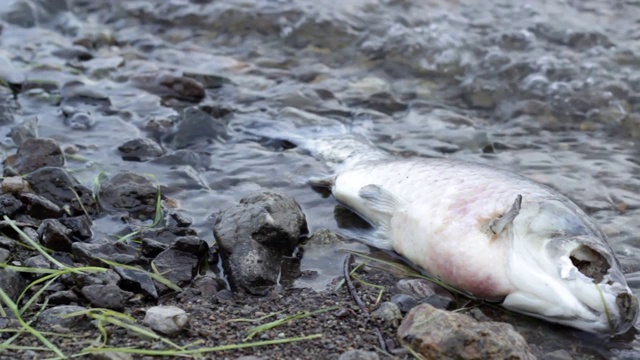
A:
[590,262]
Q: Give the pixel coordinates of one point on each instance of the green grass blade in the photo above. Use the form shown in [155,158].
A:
[16,312]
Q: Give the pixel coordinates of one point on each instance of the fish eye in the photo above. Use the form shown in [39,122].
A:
[589,262]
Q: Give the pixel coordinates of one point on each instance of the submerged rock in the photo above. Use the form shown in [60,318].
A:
[438,334]
[35,153]
[199,124]
[169,85]
[255,235]
[168,320]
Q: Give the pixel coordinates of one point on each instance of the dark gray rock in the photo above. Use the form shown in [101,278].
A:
[208,286]
[9,107]
[192,245]
[34,154]
[38,261]
[106,296]
[57,185]
[12,283]
[557,355]
[129,192]
[151,248]
[53,317]
[404,302]
[138,282]
[89,253]
[55,236]
[140,149]
[5,255]
[197,125]
[79,227]
[177,266]
[168,320]
[439,334]
[78,281]
[40,207]
[255,235]
[7,243]
[10,205]
[63,297]
[78,93]
[440,302]
[359,355]
[167,235]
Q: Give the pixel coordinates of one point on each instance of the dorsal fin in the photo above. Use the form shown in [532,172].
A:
[497,225]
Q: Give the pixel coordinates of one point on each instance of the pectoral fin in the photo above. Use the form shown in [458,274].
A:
[378,199]
[497,225]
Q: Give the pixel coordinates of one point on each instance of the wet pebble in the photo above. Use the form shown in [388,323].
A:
[9,205]
[197,124]
[5,255]
[79,226]
[81,121]
[254,235]
[7,243]
[106,296]
[140,149]
[37,262]
[35,153]
[8,106]
[404,302]
[439,334]
[168,320]
[28,129]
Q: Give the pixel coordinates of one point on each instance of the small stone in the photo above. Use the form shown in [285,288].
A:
[404,302]
[36,153]
[38,262]
[106,296]
[55,236]
[15,185]
[79,226]
[557,355]
[40,207]
[140,149]
[59,187]
[63,297]
[10,205]
[164,84]
[168,320]
[7,243]
[137,281]
[387,312]
[53,317]
[359,355]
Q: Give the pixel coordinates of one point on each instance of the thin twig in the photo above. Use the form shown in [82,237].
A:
[352,290]
[356,298]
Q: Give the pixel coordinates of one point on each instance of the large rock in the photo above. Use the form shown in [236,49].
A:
[440,334]
[255,235]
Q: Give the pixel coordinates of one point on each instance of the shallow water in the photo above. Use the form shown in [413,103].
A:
[549,89]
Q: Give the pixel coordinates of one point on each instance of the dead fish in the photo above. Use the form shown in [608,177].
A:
[488,232]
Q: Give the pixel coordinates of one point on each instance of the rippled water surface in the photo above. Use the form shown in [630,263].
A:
[549,89]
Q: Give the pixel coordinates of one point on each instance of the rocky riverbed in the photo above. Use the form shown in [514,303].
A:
[142,197]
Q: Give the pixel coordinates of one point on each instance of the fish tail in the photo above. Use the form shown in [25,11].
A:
[328,140]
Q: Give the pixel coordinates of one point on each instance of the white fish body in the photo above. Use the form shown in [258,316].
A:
[467,225]
[438,214]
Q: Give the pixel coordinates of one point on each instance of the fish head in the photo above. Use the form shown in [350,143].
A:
[563,270]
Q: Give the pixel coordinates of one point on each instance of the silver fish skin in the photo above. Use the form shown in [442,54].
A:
[550,261]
